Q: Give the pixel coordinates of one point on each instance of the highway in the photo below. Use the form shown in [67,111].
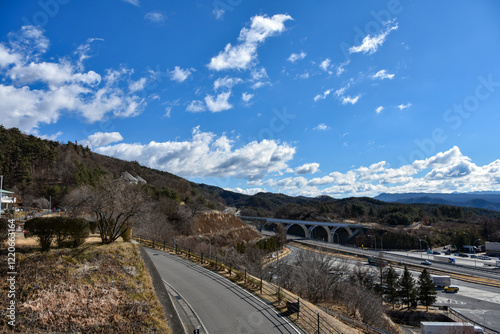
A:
[220,305]
[478,302]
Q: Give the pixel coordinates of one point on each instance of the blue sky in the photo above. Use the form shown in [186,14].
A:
[332,97]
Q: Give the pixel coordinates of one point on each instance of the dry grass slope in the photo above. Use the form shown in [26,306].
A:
[93,289]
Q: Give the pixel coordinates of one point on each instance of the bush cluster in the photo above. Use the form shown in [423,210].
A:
[67,232]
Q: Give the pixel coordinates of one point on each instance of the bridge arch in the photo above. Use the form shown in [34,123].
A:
[319,232]
[298,230]
[341,234]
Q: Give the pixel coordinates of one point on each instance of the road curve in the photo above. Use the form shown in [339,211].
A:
[221,305]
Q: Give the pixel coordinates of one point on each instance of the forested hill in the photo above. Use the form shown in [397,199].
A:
[33,167]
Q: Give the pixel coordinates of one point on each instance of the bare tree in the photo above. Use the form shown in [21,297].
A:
[313,278]
[281,234]
[114,203]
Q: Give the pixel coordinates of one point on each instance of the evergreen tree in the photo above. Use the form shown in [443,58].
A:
[392,286]
[427,294]
[408,291]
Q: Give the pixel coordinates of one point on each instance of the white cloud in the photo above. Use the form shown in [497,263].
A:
[307,169]
[196,106]
[155,17]
[382,74]
[444,172]
[297,56]
[218,13]
[349,99]
[321,127]
[138,85]
[404,106]
[246,97]
[325,64]
[101,139]
[378,110]
[341,67]
[206,155]
[83,52]
[248,191]
[304,75]
[322,96]
[226,82]
[220,103]
[259,77]
[35,92]
[136,3]
[52,136]
[168,111]
[244,54]
[371,44]
[180,75]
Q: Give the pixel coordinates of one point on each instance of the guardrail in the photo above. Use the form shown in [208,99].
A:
[460,317]
[307,318]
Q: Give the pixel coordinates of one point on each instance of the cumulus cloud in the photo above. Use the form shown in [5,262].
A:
[307,169]
[102,139]
[180,75]
[244,54]
[196,106]
[325,65]
[35,92]
[207,155]
[382,74]
[444,172]
[378,110]
[219,103]
[322,96]
[297,56]
[155,17]
[404,106]
[226,82]
[246,97]
[349,99]
[370,44]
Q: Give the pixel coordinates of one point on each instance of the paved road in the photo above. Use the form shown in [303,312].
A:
[478,302]
[222,306]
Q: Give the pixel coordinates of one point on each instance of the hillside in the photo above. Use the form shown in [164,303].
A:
[34,168]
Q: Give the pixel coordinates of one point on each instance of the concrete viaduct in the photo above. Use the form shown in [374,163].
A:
[323,231]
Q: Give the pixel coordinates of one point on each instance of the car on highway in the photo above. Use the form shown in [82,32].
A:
[426,262]
[451,288]
[447,253]
[463,255]
[486,258]
[436,253]
[474,256]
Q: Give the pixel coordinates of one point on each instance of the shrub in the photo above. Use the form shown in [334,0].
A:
[43,229]
[67,232]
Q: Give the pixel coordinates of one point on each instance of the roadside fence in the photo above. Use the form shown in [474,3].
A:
[298,311]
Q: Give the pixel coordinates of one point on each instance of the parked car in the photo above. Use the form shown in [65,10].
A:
[447,253]
[463,255]
[426,262]
[436,253]
[451,288]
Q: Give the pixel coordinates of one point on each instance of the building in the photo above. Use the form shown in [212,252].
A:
[7,198]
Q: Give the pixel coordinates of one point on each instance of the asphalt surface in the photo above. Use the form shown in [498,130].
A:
[479,303]
[221,306]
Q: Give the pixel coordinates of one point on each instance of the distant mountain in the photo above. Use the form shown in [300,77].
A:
[482,199]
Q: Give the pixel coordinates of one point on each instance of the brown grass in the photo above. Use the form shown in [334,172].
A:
[93,289]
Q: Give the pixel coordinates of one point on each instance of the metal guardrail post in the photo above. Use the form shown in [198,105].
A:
[260,284]
[153,243]
[201,257]
[230,267]
[245,276]
[318,325]
[189,253]
[279,295]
